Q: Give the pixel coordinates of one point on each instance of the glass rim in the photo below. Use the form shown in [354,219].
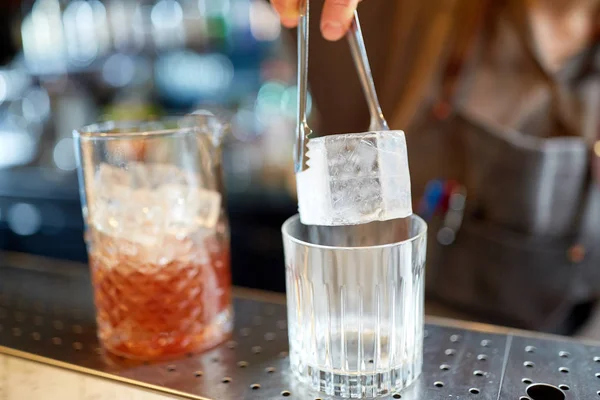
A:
[101,130]
[296,218]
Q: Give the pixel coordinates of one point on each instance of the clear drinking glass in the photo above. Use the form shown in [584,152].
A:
[355,305]
[157,234]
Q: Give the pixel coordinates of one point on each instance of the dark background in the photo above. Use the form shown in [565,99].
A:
[39,202]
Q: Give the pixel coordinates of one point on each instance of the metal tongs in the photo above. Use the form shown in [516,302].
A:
[361,61]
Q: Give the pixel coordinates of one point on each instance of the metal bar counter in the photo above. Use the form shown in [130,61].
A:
[47,316]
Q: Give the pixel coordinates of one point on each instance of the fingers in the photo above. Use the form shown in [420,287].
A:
[288,11]
[336,18]
[335,21]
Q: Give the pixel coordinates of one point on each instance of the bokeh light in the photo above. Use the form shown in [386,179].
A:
[64,155]
[118,70]
[192,75]
[24,219]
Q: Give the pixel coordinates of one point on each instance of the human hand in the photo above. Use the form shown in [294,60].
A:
[335,20]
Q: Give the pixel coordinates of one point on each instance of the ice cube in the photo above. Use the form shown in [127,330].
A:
[354,179]
[110,175]
[126,213]
[154,175]
[186,205]
[145,203]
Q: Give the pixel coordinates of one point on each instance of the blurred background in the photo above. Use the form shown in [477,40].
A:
[65,64]
[501,100]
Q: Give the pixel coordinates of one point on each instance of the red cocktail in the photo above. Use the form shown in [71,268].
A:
[152,310]
[157,235]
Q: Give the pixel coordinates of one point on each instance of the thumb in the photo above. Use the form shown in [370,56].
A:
[336,18]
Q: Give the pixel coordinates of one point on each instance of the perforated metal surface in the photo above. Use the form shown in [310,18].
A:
[46,311]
